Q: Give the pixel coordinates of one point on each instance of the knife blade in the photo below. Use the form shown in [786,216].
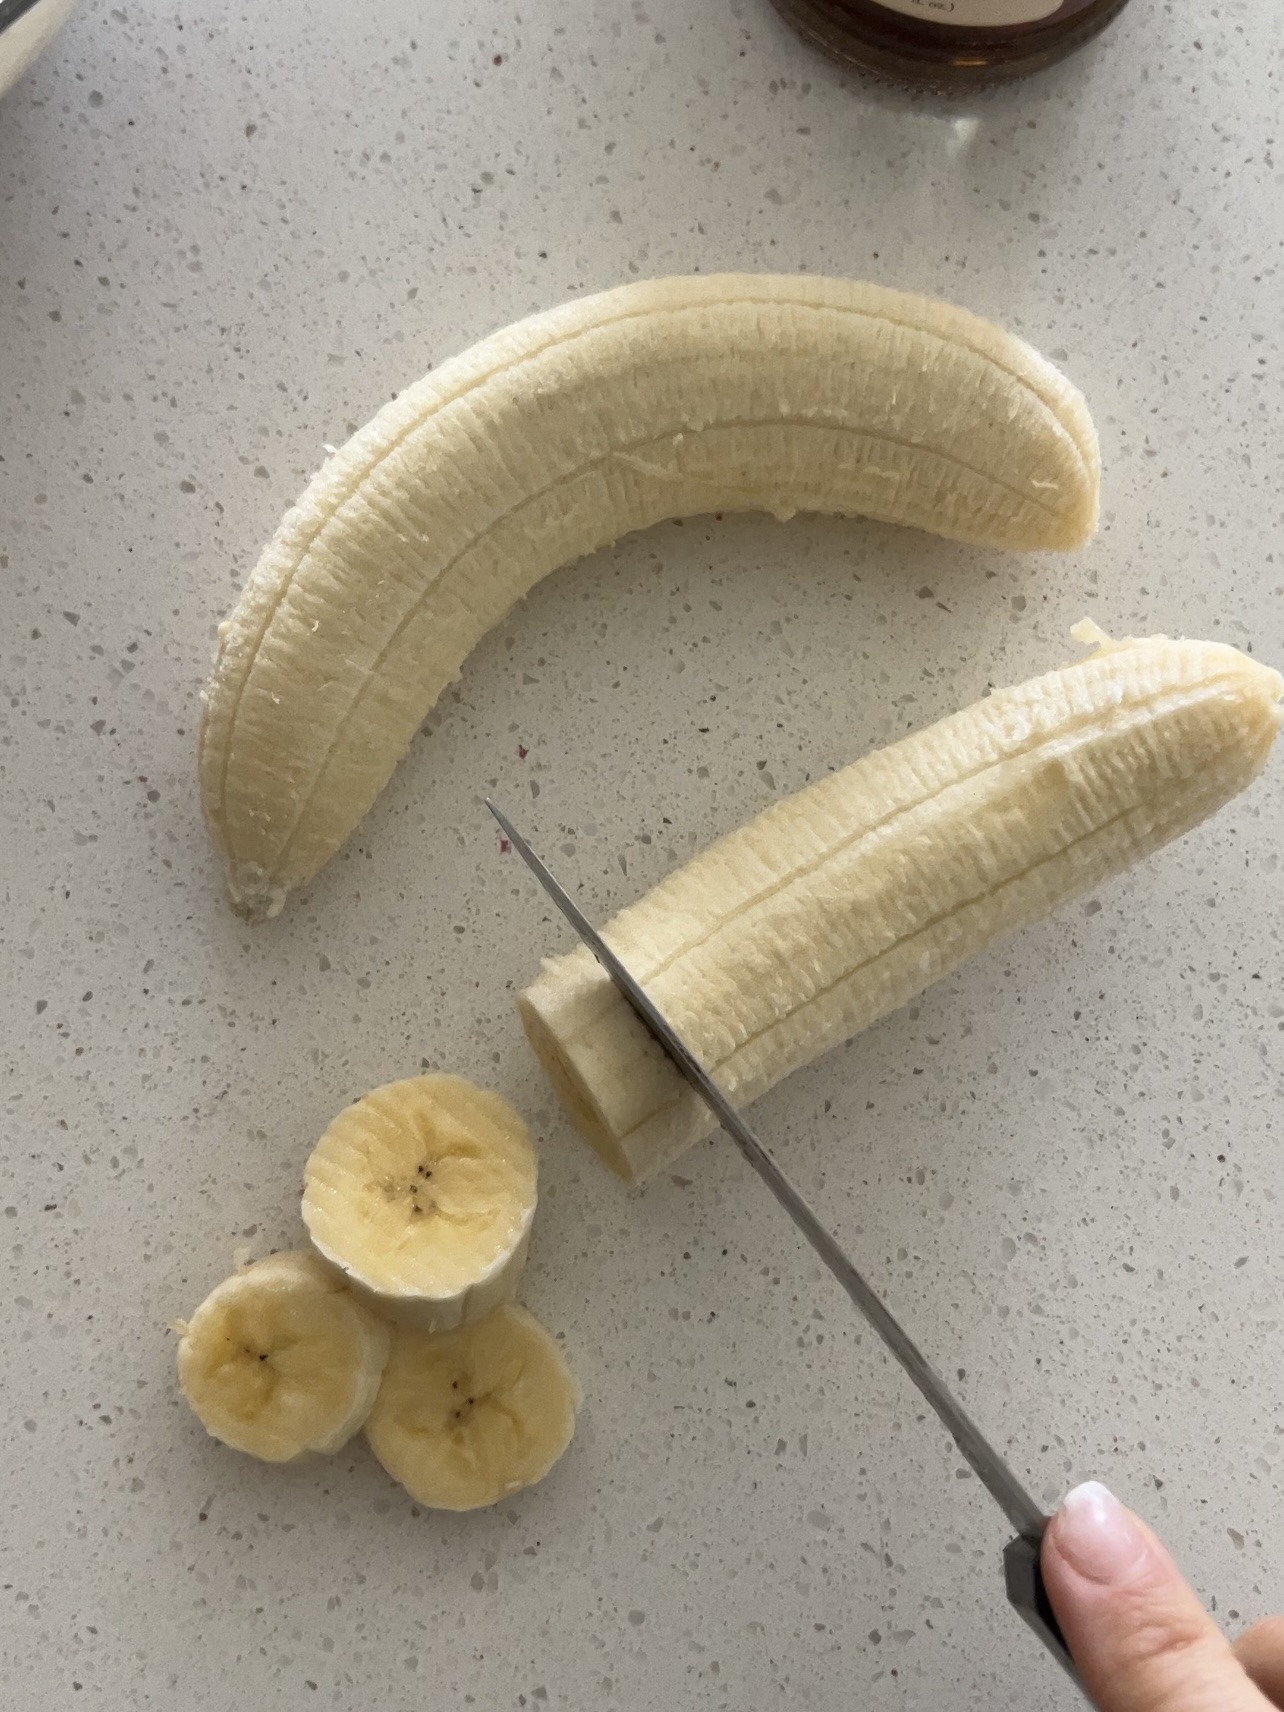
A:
[1023,1577]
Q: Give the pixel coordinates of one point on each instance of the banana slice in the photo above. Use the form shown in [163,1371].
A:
[841,903]
[554,437]
[423,1192]
[464,1418]
[281,1359]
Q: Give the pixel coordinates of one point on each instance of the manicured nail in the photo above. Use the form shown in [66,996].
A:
[1098,1536]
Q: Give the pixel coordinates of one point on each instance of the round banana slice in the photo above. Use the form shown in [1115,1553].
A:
[423,1193]
[281,1359]
[464,1418]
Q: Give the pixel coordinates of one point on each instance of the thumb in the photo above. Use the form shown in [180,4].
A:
[1140,1637]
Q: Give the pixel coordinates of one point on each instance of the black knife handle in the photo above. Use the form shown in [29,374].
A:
[1024,1578]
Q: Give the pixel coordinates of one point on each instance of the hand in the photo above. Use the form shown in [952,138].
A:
[1141,1639]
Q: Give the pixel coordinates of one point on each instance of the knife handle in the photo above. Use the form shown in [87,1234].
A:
[1023,1576]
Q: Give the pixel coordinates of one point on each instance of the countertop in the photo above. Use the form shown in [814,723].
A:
[226,237]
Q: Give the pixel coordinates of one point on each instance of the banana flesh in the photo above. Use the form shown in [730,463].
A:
[841,903]
[281,1359]
[423,1193]
[553,438]
[465,1418]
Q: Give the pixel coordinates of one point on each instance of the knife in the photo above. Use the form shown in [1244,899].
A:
[1023,1577]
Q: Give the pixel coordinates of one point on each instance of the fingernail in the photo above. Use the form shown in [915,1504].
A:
[1099,1537]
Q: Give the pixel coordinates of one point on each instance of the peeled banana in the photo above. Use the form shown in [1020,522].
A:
[561,433]
[839,904]
[423,1193]
[465,1418]
[281,1359]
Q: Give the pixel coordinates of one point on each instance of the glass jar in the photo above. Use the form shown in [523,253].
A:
[949,43]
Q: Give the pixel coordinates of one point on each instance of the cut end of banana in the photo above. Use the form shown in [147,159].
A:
[465,1418]
[281,1359]
[423,1193]
[840,904]
[573,1088]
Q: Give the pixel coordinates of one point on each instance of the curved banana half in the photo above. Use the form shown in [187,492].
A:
[553,438]
[839,904]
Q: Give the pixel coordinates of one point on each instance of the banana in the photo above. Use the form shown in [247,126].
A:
[554,437]
[423,1193]
[841,903]
[281,1359]
[464,1418]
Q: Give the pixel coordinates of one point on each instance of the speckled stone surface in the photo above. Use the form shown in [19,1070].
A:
[226,236]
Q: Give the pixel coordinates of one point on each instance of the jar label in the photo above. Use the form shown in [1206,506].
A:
[972,12]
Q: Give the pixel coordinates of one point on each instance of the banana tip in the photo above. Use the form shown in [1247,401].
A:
[252,896]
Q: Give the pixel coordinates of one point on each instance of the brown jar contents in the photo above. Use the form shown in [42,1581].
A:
[948,43]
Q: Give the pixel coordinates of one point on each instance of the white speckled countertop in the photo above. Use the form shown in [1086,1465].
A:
[225,238]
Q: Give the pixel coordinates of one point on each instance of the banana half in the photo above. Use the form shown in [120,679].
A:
[423,1193]
[281,1359]
[556,436]
[465,1418]
[841,903]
